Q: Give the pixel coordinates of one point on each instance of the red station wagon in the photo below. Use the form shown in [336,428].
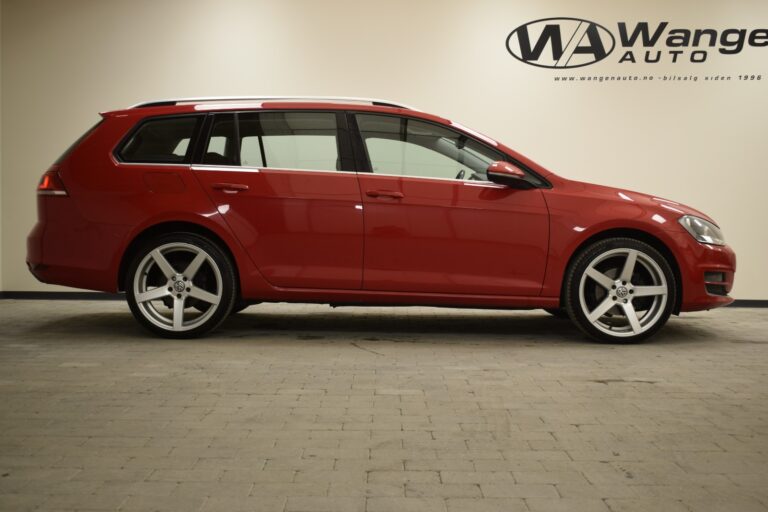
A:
[197,208]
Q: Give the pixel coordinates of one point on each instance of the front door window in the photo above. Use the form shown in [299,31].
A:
[403,146]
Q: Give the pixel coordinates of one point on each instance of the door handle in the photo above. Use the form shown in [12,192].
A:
[230,188]
[385,193]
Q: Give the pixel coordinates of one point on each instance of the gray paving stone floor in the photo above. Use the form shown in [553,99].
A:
[293,408]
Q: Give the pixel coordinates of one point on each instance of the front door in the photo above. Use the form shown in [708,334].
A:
[282,181]
[433,223]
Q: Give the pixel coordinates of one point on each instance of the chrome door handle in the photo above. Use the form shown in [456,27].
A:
[230,188]
[385,193]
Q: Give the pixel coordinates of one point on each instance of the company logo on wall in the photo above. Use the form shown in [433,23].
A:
[561,43]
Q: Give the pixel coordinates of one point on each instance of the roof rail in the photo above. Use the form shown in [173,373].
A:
[343,99]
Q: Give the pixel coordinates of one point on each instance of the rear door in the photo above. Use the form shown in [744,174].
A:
[285,184]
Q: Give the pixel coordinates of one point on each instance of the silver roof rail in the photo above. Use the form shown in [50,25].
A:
[332,99]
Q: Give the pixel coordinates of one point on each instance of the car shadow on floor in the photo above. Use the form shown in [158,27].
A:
[325,326]
[492,325]
[394,326]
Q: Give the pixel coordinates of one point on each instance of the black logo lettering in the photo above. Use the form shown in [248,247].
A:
[572,43]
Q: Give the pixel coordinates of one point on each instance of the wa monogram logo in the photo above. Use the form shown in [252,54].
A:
[560,43]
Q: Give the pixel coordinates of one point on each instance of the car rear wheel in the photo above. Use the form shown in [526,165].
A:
[620,290]
[180,285]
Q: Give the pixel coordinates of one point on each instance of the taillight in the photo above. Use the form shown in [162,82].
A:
[51,184]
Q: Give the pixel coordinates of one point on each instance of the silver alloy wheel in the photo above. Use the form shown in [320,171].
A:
[617,275]
[179,286]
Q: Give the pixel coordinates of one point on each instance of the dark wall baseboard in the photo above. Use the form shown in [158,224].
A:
[739,303]
[749,303]
[62,296]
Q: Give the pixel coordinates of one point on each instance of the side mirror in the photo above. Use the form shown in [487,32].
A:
[508,174]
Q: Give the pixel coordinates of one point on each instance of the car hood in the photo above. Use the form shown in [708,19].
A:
[638,198]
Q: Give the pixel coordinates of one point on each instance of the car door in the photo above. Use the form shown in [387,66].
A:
[283,182]
[433,223]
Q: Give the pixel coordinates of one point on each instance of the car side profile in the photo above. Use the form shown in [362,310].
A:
[197,208]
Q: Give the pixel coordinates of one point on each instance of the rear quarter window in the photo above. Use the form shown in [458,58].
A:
[162,140]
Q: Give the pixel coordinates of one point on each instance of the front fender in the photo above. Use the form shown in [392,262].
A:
[577,220]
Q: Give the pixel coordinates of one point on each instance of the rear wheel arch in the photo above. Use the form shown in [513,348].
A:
[171,227]
[636,234]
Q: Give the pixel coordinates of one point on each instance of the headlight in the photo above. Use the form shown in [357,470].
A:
[702,230]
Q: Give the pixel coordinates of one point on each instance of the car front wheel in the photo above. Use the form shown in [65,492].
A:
[620,290]
[180,285]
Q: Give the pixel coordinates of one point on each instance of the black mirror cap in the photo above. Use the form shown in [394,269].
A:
[510,181]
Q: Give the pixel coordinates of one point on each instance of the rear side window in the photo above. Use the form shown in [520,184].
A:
[164,140]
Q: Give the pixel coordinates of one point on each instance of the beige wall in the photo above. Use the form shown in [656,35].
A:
[702,144]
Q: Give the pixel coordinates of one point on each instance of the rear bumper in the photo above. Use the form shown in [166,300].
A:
[62,249]
[707,273]
[35,250]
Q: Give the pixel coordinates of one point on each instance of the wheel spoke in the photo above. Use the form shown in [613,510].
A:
[155,293]
[600,310]
[629,266]
[178,314]
[631,314]
[200,294]
[601,279]
[646,291]
[163,264]
[194,265]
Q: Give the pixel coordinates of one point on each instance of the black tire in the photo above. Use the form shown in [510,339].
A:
[559,313]
[239,306]
[162,273]
[630,317]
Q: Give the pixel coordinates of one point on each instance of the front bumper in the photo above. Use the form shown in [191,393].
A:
[707,273]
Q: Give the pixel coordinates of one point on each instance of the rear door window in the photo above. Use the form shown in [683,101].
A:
[164,140]
[290,140]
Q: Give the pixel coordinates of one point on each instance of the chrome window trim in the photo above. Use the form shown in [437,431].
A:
[146,164]
[466,182]
[224,168]
[252,169]
[484,184]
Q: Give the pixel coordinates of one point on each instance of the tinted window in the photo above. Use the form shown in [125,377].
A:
[221,148]
[289,140]
[161,140]
[408,147]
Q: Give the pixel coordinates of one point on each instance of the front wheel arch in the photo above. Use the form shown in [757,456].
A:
[636,234]
[171,227]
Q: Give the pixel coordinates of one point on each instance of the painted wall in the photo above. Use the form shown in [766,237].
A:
[702,143]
